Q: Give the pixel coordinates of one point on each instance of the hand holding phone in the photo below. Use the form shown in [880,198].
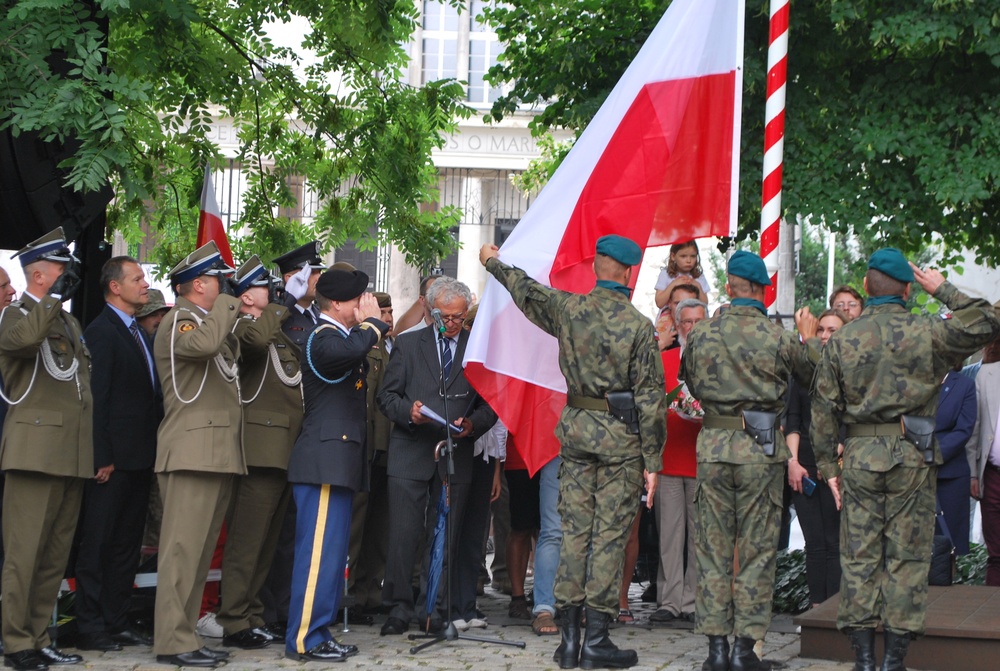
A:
[808,485]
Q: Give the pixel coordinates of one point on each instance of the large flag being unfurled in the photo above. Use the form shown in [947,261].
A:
[210,220]
[659,164]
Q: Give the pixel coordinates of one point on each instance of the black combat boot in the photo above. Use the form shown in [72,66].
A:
[744,658]
[598,651]
[718,654]
[863,644]
[568,653]
[896,646]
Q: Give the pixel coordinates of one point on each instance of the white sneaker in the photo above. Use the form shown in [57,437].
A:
[477,623]
[460,624]
[208,627]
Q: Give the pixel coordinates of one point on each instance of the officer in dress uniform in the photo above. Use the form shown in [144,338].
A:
[738,366]
[272,416]
[611,433]
[329,460]
[47,449]
[881,374]
[199,451]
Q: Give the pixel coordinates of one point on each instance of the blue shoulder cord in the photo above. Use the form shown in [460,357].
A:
[309,358]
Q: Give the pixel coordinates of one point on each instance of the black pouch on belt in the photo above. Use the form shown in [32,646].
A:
[759,425]
[621,405]
[920,432]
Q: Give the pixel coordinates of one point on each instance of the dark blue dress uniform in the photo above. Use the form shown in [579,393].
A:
[328,465]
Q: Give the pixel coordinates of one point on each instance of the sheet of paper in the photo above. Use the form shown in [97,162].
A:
[430,414]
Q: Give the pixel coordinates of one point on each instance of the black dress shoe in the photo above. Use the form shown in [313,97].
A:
[276,629]
[96,641]
[265,632]
[56,656]
[212,653]
[324,652]
[393,627]
[354,616]
[246,639]
[347,650]
[188,659]
[131,637]
[26,660]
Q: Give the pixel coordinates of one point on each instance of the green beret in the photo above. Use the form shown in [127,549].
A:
[891,261]
[619,248]
[749,266]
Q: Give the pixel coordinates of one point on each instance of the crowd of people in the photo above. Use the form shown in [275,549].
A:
[295,427]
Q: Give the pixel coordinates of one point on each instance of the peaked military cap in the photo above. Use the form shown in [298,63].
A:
[206,260]
[620,248]
[891,261]
[306,255]
[251,274]
[749,266]
[155,304]
[342,285]
[50,247]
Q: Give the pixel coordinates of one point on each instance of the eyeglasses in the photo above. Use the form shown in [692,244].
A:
[453,319]
[689,322]
[842,305]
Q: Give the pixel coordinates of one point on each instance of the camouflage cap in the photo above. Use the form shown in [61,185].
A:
[749,266]
[891,261]
[155,304]
[620,248]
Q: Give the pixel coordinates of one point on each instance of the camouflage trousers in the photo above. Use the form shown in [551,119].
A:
[886,536]
[598,498]
[738,508]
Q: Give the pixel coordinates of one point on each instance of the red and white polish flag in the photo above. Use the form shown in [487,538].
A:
[659,163]
[210,225]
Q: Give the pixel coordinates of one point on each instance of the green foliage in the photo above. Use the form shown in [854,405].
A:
[970,569]
[891,106]
[146,78]
[791,592]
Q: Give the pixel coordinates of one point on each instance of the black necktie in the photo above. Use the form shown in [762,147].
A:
[446,357]
[134,330]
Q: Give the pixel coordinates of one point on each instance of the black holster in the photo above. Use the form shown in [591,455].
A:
[920,432]
[621,405]
[759,425]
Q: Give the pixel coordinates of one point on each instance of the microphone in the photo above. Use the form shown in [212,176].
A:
[438,321]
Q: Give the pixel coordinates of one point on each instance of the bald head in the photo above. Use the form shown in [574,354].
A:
[6,290]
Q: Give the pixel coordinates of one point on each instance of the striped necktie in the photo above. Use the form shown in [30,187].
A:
[446,357]
[134,330]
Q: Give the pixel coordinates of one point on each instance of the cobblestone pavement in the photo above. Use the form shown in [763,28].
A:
[664,648]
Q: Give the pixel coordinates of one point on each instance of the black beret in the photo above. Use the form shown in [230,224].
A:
[342,285]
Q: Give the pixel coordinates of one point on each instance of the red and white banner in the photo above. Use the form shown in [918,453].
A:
[210,220]
[659,164]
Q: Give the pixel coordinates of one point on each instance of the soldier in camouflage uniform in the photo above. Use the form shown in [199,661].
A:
[605,345]
[741,361]
[886,364]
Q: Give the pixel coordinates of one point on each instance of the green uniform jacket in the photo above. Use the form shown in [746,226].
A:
[886,363]
[379,426]
[605,344]
[272,414]
[200,429]
[739,361]
[51,430]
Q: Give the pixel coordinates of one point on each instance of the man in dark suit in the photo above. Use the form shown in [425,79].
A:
[412,380]
[329,459]
[128,407]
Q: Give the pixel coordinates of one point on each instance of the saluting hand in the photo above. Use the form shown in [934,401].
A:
[367,308]
[806,323]
[929,280]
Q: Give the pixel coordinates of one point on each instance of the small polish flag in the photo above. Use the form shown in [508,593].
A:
[210,220]
[659,164]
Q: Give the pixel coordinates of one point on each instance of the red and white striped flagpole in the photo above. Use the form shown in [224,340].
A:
[774,143]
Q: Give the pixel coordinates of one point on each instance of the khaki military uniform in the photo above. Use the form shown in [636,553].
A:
[198,453]
[370,510]
[735,362]
[272,418]
[884,364]
[47,452]
[605,344]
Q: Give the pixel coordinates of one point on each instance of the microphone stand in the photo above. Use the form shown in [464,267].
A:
[447,447]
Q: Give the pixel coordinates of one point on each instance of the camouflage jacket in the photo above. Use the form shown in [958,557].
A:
[886,363]
[605,344]
[740,361]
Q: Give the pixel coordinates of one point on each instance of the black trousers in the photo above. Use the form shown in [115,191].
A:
[111,528]
[820,522]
